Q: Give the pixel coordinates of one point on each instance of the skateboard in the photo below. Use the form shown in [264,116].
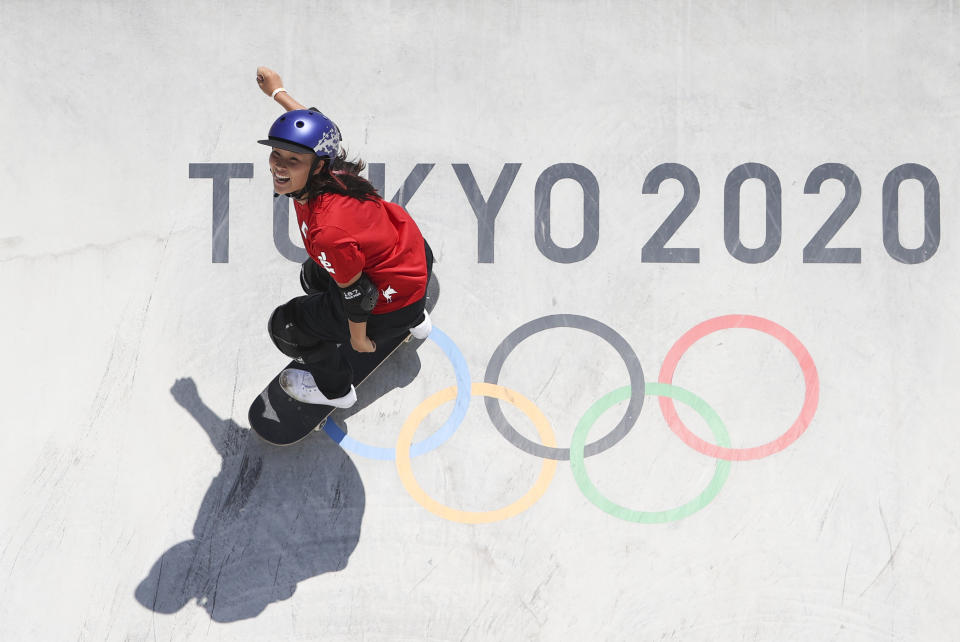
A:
[281,420]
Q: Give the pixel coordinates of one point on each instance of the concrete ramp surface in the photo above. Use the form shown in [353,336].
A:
[695,305]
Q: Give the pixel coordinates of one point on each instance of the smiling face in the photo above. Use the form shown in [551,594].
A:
[290,170]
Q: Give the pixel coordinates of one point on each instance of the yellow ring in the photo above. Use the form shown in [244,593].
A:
[405,471]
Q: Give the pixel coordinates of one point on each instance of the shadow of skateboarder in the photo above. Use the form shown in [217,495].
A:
[271,518]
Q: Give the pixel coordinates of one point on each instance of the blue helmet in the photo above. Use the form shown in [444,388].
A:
[305,131]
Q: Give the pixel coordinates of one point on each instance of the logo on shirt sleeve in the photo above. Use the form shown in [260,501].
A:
[327,265]
[388,294]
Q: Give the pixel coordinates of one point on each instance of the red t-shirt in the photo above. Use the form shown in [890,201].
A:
[346,236]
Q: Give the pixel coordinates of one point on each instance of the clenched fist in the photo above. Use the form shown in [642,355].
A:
[268,80]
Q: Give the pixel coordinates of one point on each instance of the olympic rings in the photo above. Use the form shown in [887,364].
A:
[641,517]
[810,377]
[404,470]
[579,449]
[608,334]
[462,374]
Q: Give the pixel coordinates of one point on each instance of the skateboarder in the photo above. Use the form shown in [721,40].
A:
[366,278]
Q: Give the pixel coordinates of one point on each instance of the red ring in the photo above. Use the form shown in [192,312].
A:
[810,377]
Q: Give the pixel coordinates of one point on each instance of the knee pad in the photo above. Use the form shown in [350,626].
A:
[292,340]
[284,333]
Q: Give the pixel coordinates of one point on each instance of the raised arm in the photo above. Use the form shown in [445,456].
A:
[270,82]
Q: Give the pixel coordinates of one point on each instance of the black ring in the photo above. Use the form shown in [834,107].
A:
[608,334]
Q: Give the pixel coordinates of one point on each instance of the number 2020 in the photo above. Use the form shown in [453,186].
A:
[816,250]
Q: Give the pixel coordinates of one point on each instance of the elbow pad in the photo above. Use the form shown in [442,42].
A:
[360,298]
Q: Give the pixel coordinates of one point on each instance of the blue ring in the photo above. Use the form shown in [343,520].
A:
[436,439]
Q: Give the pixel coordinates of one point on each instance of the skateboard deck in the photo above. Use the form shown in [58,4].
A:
[283,421]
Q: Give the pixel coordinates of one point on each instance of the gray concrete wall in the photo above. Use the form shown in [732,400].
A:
[752,202]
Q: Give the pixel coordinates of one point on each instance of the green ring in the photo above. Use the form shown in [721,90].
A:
[644,517]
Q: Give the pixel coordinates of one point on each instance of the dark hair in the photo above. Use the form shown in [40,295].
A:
[340,176]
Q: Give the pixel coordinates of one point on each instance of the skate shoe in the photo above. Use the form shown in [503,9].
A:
[423,329]
[300,385]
